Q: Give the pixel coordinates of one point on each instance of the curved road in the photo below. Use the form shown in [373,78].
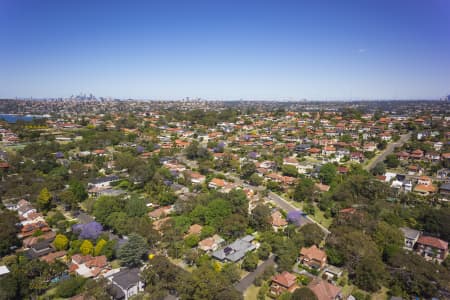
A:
[389,149]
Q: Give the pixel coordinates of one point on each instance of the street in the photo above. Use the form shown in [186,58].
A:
[389,149]
[247,281]
[286,206]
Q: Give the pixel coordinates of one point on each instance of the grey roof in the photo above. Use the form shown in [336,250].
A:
[248,238]
[236,250]
[126,278]
[112,192]
[445,186]
[105,179]
[410,233]
[334,270]
[39,249]
[115,292]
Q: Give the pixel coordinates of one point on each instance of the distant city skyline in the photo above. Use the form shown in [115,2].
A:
[230,50]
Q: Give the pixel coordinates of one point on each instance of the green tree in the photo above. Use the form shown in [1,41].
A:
[327,173]
[133,251]
[61,242]
[99,247]
[379,169]
[264,251]
[289,170]
[234,226]
[304,190]
[255,179]
[369,273]
[311,234]
[250,262]
[191,240]
[78,190]
[43,200]
[105,206]
[69,287]
[247,170]
[260,218]
[136,207]
[96,289]
[387,238]
[303,293]
[8,287]
[86,247]
[231,272]
[68,198]
[392,161]
[108,249]
[8,234]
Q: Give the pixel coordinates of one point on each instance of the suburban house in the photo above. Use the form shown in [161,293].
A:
[125,283]
[432,248]
[88,266]
[417,154]
[103,181]
[333,272]
[196,178]
[23,208]
[411,237]
[278,221]
[325,290]
[235,251]
[4,270]
[39,249]
[425,190]
[195,229]
[284,282]
[217,183]
[328,150]
[322,187]
[424,180]
[161,212]
[211,243]
[313,257]
[291,161]
[444,191]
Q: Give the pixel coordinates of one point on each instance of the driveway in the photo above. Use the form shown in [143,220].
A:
[247,281]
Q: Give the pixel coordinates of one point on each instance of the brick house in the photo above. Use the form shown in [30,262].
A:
[313,257]
[284,282]
[432,248]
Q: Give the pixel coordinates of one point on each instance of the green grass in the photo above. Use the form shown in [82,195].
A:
[252,292]
[347,290]
[49,294]
[382,294]
[319,216]
[115,264]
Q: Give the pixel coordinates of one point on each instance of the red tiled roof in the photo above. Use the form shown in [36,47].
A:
[195,229]
[285,279]
[313,253]
[99,262]
[278,220]
[324,290]
[433,242]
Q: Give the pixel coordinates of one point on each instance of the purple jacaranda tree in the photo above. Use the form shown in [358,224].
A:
[139,149]
[89,231]
[296,217]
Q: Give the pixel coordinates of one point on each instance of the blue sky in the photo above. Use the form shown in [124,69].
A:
[362,49]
